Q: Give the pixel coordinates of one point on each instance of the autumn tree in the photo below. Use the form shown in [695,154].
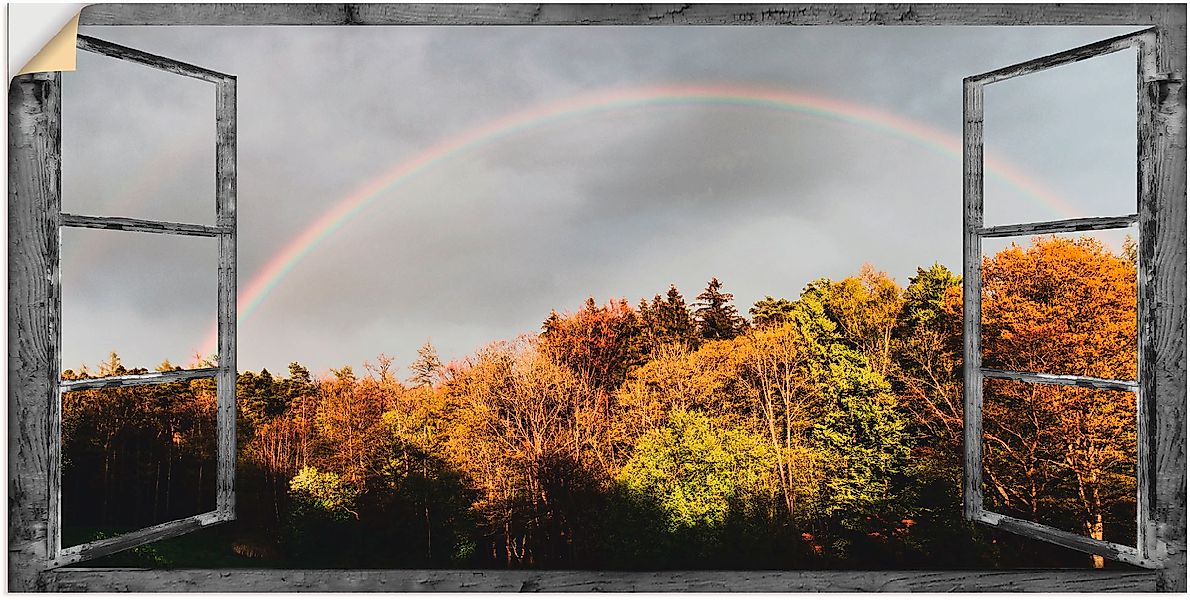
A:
[661,435]
[865,307]
[710,379]
[522,427]
[599,343]
[1063,306]
[427,369]
[348,420]
[779,370]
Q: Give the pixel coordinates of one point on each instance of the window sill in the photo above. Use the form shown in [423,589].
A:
[329,580]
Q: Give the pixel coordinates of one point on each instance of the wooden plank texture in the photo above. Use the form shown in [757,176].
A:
[1061,226]
[322,580]
[972,305]
[623,14]
[139,225]
[225,374]
[1146,427]
[96,549]
[162,63]
[118,381]
[1163,256]
[1095,383]
[1059,58]
[1037,531]
[34,316]
[225,218]
[1161,294]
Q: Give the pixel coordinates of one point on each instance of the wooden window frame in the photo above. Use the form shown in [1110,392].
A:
[34,206]
[1144,553]
[224,374]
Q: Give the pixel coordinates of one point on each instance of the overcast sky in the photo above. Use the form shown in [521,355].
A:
[611,204]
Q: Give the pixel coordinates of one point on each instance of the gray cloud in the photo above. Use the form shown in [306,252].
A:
[483,245]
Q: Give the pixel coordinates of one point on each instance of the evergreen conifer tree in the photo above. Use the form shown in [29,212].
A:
[676,319]
[716,316]
[427,366]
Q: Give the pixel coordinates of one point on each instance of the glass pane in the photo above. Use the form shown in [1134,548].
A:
[135,457]
[147,297]
[1061,143]
[1062,456]
[1062,304]
[137,142]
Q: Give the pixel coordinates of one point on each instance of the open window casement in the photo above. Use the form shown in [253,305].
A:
[1144,552]
[224,374]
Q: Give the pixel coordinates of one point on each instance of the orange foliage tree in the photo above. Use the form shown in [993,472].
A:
[1058,453]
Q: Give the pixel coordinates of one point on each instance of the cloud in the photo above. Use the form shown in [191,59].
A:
[482,246]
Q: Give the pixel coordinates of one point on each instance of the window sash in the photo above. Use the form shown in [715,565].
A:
[974,231]
[224,374]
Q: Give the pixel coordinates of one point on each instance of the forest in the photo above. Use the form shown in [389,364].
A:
[820,432]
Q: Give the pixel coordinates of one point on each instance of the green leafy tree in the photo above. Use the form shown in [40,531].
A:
[864,308]
[861,432]
[928,353]
[323,520]
[325,492]
[697,472]
[260,397]
[770,311]
[865,435]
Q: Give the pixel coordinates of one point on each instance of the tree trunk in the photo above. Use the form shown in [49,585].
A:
[1096,529]
[198,496]
[157,491]
[107,462]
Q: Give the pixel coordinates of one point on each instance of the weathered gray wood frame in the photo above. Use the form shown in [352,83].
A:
[141,225]
[117,381]
[1146,552]
[224,374]
[34,198]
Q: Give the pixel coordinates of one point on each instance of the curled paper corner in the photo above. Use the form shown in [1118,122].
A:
[39,41]
[58,54]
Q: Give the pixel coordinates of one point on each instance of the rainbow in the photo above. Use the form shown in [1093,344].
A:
[346,209]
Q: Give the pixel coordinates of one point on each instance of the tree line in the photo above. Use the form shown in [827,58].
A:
[819,432]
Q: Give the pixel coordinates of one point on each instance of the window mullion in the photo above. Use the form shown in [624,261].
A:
[1097,383]
[116,381]
[1060,226]
[140,225]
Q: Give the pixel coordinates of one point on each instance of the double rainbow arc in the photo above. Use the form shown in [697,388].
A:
[349,207]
